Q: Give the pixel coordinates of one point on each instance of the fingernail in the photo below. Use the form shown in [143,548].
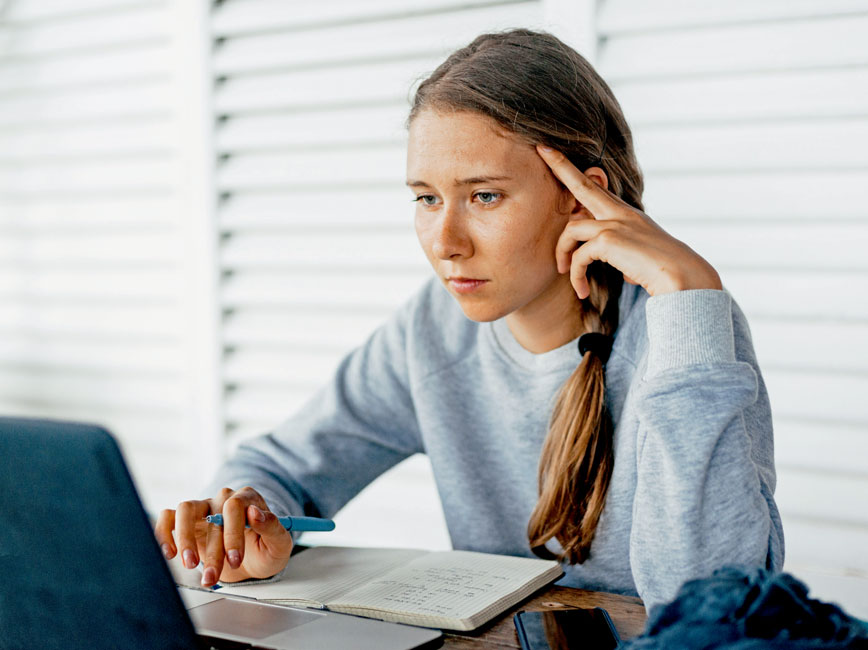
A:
[209,577]
[258,515]
[545,148]
[234,558]
[167,552]
[189,559]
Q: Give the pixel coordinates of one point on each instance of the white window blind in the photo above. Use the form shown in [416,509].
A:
[751,123]
[316,224]
[92,274]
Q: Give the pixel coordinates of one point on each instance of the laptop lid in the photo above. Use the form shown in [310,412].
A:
[79,565]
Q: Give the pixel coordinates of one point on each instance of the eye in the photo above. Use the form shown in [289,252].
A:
[426,199]
[488,198]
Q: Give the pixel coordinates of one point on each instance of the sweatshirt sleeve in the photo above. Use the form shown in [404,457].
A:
[356,427]
[705,460]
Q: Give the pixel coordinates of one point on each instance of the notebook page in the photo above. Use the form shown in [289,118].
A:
[322,573]
[448,584]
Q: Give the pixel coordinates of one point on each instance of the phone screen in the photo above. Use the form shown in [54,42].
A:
[566,629]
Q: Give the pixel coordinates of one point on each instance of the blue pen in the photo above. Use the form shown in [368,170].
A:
[290,523]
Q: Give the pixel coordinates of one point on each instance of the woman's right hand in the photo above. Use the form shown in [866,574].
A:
[230,552]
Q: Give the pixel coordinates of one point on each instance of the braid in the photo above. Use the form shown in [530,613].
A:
[577,456]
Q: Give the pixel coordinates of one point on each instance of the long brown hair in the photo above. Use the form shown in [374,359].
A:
[545,92]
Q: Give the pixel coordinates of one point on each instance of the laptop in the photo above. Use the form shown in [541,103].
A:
[80,566]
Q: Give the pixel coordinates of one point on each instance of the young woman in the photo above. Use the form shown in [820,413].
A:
[640,456]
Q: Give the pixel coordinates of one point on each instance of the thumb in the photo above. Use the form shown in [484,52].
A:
[275,538]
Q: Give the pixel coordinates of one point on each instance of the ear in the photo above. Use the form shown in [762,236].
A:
[568,205]
[597,175]
[571,204]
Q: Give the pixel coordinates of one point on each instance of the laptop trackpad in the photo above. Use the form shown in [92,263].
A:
[238,618]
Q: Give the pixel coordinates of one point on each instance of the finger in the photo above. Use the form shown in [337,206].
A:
[583,256]
[589,194]
[574,233]
[213,556]
[188,516]
[579,277]
[163,532]
[234,521]
[273,536]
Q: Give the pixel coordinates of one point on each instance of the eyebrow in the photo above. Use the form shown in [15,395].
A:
[473,180]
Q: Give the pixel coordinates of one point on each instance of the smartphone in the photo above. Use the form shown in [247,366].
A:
[565,629]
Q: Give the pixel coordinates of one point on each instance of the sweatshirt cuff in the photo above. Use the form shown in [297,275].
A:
[688,328]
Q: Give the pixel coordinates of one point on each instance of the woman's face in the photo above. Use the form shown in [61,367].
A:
[488,213]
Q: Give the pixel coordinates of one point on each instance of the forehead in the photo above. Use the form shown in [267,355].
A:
[462,144]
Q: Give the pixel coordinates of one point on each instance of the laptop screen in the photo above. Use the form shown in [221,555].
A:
[79,563]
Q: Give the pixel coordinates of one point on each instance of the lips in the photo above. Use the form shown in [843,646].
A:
[465,285]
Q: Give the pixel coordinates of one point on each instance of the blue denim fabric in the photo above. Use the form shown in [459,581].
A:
[749,609]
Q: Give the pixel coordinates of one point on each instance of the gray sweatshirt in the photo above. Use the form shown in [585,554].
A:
[693,482]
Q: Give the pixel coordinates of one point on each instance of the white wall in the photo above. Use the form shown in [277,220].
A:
[194,205]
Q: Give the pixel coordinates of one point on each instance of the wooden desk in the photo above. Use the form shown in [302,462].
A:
[628,615]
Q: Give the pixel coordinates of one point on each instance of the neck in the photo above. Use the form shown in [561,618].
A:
[550,320]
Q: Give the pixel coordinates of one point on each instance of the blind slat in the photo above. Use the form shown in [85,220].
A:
[153,176]
[619,16]
[101,29]
[282,208]
[311,328]
[110,282]
[835,41]
[821,445]
[824,495]
[274,250]
[784,342]
[136,137]
[261,408]
[433,34]
[63,355]
[93,249]
[819,395]
[251,16]
[125,101]
[95,391]
[24,12]
[297,368]
[337,127]
[833,546]
[749,196]
[681,148]
[777,96]
[799,294]
[123,319]
[383,164]
[80,69]
[105,214]
[361,288]
[349,85]
[776,246]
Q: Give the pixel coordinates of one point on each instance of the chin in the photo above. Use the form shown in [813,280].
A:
[481,311]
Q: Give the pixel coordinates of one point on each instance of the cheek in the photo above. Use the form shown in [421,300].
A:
[424,233]
[530,237]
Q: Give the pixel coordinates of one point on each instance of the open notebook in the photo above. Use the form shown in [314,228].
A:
[454,590]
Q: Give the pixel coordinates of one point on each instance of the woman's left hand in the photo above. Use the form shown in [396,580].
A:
[619,234]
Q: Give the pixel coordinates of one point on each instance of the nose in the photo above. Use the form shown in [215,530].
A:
[451,239]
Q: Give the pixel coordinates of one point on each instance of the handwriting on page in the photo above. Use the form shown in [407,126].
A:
[426,587]
[443,591]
